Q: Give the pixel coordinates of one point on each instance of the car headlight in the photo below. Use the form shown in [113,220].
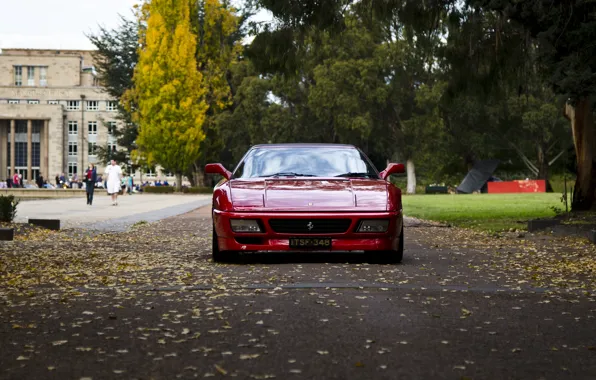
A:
[374,225]
[245,225]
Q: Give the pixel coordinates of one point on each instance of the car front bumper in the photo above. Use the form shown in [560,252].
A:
[269,240]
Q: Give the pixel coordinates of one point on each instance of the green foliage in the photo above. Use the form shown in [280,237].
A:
[8,208]
[115,57]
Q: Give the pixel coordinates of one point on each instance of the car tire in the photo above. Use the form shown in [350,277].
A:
[220,256]
[392,257]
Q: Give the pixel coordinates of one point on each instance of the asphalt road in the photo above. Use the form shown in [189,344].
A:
[455,309]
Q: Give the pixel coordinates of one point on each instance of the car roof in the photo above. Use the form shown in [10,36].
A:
[305,145]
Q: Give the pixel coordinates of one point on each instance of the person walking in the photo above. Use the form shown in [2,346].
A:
[90,179]
[114,176]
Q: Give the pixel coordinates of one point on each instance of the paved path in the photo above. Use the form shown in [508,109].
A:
[102,216]
[151,304]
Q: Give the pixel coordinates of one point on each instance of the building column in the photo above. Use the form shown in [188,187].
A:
[3,152]
[45,145]
[29,148]
[12,149]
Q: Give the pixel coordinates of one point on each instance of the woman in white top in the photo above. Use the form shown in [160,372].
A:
[113,175]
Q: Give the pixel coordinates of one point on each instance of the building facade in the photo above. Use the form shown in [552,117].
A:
[53,114]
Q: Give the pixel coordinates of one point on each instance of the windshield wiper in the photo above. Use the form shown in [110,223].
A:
[356,175]
[289,174]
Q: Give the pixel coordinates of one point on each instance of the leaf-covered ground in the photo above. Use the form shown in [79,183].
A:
[150,304]
[176,252]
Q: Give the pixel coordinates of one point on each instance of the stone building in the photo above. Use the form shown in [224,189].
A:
[53,113]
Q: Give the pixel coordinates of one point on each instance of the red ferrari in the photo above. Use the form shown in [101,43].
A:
[307,197]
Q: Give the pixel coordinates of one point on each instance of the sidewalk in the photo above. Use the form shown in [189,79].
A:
[75,213]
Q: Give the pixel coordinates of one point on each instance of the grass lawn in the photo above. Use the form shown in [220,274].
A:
[488,212]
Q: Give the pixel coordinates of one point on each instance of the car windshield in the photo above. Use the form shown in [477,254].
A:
[311,161]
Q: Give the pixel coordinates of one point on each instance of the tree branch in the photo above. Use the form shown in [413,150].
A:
[556,158]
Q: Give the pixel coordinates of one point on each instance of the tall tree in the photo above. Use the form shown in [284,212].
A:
[116,56]
[564,30]
[169,88]
[217,26]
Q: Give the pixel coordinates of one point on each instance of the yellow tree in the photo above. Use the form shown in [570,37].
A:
[169,89]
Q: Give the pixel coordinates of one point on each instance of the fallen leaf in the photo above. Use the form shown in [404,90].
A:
[249,356]
[220,369]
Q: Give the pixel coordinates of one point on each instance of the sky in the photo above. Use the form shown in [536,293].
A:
[58,24]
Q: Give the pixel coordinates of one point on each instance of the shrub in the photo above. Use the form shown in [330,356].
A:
[8,208]
[158,189]
[197,190]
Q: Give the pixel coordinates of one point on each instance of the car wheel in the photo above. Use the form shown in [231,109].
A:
[392,257]
[217,255]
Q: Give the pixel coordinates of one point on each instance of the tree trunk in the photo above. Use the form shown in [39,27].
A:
[543,166]
[584,139]
[178,182]
[199,176]
[411,187]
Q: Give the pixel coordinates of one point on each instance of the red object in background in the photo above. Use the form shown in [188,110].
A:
[538,186]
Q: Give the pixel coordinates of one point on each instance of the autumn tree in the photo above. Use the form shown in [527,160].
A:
[169,88]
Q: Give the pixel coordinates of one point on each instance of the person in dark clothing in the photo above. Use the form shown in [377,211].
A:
[90,179]
[40,182]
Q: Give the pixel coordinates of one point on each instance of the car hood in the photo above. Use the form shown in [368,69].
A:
[288,194]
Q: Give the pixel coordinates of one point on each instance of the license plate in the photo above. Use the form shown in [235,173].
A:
[310,243]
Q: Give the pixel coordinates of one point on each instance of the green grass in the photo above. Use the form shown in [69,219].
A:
[487,212]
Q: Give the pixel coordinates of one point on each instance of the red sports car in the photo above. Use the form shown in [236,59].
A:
[307,197]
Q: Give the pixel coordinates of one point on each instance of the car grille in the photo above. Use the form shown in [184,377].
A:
[310,226]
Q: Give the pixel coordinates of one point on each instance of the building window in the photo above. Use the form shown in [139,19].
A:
[92,105]
[73,127]
[72,148]
[111,105]
[13,101]
[72,168]
[35,145]
[111,127]
[53,102]
[73,105]
[43,76]
[93,149]
[33,102]
[111,148]
[92,126]
[95,82]
[150,173]
[18,75]
[30,76]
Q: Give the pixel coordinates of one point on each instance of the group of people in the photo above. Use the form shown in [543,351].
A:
[114,182]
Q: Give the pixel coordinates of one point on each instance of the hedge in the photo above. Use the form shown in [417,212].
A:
[158,189]
[197,190]
[171,189]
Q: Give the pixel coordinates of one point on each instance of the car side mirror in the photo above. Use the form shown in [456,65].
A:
[393,169]
[218,169]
